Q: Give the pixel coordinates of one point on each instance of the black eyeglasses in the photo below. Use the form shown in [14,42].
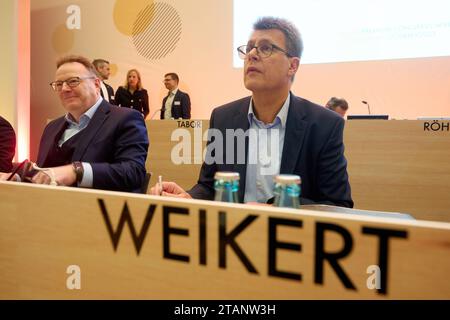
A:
[264,50]
[71,82]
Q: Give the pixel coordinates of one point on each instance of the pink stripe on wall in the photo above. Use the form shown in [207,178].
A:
[23,79]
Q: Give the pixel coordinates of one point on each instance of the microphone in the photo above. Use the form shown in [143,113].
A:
[154,113]
[368,107]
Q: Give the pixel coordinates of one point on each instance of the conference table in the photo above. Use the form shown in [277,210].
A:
[73,243]
[394,165]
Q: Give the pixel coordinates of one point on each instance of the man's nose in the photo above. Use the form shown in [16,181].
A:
[65,87]
[253,54]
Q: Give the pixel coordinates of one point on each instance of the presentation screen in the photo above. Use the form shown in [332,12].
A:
[354,30]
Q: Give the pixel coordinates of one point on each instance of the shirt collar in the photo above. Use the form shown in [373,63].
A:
[281,115]
[87,116]
[174,91]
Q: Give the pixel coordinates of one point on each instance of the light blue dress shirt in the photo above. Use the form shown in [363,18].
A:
[265,147]
[72,129]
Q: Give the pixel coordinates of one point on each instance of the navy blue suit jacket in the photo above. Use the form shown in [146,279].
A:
[7,145]
[313,148]
[115,143]
[181,106]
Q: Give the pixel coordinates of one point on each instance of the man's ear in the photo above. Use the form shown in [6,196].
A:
[293,67]
[97,83]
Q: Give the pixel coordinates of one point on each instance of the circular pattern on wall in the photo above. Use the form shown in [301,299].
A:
[126,12]
[159,38]
[62,39]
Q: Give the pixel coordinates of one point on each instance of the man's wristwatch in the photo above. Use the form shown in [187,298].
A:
[79,171]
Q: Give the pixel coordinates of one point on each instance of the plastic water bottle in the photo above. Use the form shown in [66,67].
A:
[226,185]
[287,191]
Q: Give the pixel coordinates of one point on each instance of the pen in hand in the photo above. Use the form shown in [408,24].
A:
[160,185]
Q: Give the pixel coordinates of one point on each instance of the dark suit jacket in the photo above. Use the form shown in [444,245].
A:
[110,93]
[137,100]
[313,148]
[181,106]
[7,145]
[115,143]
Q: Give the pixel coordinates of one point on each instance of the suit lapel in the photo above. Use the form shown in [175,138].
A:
[173,100]
[91,130]
[240,121]
[163,107]
[110,91]
[48,141]
[294,135]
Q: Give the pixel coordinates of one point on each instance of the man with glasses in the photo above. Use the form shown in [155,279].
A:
[309,139]
[177,104]
[95,145]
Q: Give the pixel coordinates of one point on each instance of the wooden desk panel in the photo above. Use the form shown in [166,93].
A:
[397,166]
[159,158]
[53,238]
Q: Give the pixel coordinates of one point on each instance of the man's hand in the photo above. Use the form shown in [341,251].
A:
[169,189]
[4,176]
[64,176]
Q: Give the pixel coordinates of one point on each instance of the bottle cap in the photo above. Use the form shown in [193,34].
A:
[227,176]
[288,179]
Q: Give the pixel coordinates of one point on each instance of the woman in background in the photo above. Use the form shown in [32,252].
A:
[132,94]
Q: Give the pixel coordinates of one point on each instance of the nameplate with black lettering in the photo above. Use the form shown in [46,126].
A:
[63,243]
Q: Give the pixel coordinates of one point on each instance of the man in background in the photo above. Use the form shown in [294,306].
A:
[103,71]
[177,103]
[7,145]
[338,105]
